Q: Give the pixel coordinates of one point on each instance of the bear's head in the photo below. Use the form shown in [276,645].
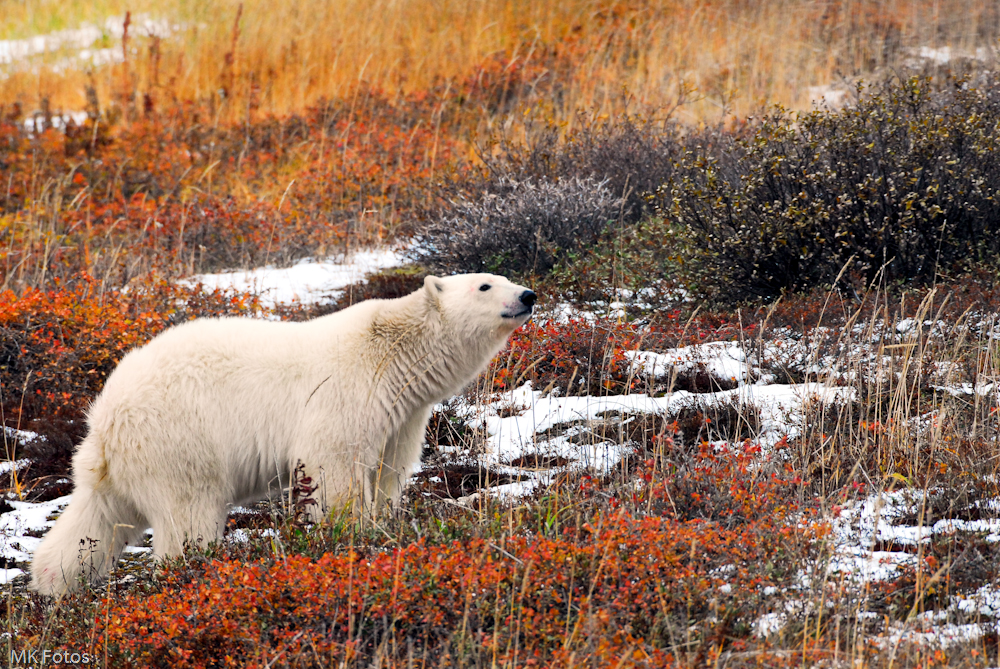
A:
[480,305]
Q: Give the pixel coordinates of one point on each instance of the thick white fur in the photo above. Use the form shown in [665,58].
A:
[219,412]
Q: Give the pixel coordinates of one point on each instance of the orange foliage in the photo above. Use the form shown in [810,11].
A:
[622,586]
[58,346]
[170,193]
[579,356]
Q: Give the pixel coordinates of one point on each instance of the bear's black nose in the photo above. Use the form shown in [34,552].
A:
[528,298]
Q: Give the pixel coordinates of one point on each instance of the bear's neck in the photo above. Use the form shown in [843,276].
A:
[420,359]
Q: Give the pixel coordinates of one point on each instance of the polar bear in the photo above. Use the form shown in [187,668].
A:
[218,412]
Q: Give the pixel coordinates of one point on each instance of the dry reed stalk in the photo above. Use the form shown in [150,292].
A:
[736,55]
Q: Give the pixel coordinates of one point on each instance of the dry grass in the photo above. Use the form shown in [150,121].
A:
[724,57]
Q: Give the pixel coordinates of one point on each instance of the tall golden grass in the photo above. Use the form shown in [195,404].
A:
[720,57]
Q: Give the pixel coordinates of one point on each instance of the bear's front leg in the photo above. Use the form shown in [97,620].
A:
[399,460]
[198,519]
[337,485]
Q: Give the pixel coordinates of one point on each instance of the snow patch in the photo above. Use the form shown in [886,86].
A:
[16,527]
[87,46]
[307,282]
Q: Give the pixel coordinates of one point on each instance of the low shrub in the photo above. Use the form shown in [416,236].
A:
[628,264]
[633,154]
[901,187]
[622,160]
[518,227]
[385,285]
[587,355]
[578,357]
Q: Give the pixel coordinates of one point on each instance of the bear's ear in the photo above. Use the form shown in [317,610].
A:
[433,286]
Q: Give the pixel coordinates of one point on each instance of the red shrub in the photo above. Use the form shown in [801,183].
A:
[176,194]
[578,357]
[58,346]
[587,355]
[621,586]
[631,582]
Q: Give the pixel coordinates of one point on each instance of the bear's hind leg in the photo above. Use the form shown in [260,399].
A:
[85,543]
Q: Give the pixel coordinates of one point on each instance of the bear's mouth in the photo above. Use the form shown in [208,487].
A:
[525,312]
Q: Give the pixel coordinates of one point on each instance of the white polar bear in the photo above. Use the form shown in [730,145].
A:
[218,412]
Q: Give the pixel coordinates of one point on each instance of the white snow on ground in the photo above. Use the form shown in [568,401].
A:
[26,518]
[526,421]
[85,42]
[861,526]
[306,282]
[512,436]
[15,541]
[724,359]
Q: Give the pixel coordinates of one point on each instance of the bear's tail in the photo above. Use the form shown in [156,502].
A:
[85,542]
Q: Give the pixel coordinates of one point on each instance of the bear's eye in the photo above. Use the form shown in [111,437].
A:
[485,287]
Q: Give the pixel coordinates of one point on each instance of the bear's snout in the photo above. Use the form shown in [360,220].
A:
[522,307]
